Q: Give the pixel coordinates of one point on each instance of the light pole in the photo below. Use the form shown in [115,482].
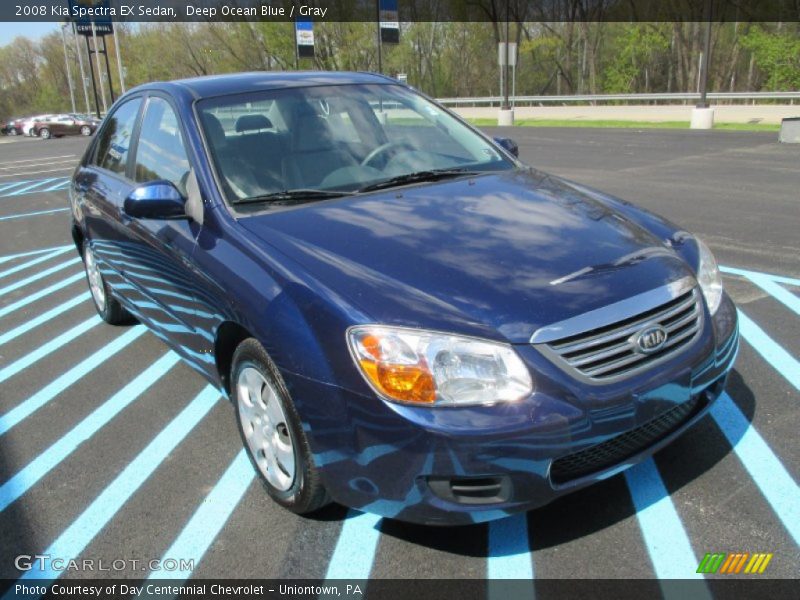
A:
[119,60]
[83,73]
[702,114]
[99,69]
[69,71]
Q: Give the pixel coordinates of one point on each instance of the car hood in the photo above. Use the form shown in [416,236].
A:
[496,256]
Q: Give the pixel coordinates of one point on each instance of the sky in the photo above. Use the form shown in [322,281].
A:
[8,31]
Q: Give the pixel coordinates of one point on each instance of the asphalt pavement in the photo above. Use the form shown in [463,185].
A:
[111,448]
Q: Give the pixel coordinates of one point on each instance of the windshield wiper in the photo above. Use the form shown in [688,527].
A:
[286,197]
[417,177]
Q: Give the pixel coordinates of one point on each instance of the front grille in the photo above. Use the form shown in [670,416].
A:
[610,352]
[615,450]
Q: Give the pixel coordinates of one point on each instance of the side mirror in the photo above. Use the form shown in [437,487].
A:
[155,200]
[508,144]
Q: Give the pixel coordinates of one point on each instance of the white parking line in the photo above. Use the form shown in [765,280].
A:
[25,174]
[26,160]
[46,163]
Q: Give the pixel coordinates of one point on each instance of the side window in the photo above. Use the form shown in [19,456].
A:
[160,153]
[112,147]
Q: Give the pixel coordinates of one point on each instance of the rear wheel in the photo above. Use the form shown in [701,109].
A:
[108,307]
[86,130]
[44,133]
[271,431]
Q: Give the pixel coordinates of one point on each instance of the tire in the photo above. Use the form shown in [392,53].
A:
[108,307]
[12,131]
[86,130]
[299,489]
[44,133]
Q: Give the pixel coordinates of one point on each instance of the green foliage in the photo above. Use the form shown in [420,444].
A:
[638,49]
[440,58]
[777,55]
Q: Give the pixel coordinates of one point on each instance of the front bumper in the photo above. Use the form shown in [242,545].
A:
[467,465]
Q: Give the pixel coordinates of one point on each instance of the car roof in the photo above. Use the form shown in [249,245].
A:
[237,83]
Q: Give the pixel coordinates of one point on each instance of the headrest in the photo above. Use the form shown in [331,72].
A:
[214,130]
[252,123]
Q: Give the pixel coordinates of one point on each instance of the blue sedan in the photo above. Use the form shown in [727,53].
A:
[407,319]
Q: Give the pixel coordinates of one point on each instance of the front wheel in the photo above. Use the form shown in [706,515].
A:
[108,307]
[44,133]
[271,431]
[86,130]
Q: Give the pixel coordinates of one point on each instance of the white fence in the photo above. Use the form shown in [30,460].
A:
[747,97]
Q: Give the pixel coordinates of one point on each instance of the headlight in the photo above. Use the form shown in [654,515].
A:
[709,278]
[436,369]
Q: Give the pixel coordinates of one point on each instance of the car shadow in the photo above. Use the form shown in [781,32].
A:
[599,506]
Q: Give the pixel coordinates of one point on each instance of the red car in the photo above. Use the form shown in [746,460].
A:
[61,125]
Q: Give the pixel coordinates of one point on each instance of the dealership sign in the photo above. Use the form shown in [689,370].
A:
[389,23]
[304,32]
[97,13]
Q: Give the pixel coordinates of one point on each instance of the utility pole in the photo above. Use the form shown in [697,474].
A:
[69,71]
[83,73]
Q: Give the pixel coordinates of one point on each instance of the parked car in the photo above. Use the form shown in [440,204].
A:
[407,319]
[11,127]
[61,125]
[27,124]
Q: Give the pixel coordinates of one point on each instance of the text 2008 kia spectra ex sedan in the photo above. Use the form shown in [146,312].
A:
[408,320]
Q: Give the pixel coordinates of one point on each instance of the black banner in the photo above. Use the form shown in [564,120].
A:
[731,588]
[407,10]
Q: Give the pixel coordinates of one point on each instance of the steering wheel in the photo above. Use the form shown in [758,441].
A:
[383,149]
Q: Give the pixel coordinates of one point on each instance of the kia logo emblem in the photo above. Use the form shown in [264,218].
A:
[650,339]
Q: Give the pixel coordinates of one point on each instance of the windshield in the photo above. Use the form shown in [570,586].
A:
[340,138]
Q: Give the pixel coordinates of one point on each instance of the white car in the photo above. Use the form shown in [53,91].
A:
[27,124]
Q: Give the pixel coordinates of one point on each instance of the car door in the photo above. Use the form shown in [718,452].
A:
[164,274]
[100,188]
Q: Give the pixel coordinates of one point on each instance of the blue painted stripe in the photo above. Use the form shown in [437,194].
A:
[30,188]
[664,536]
[33,262]
[209,518]
[782,295]
[58,385]
[771,351]
[7,186]
[509,552]
[60,185]
[25,479]
[43,293]
[355,549]
[43,318]
[33,214]
[91,521]
[48,348]
[775,278]
[766,469]
[40,275]
[10,257]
